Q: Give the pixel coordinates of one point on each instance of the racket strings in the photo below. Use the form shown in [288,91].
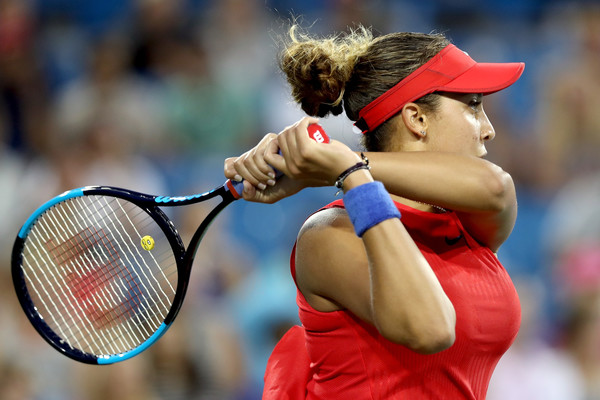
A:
[84,314]
[100,292]
[135,280]
[136,249]
[101,301]
[52,285]
[135,289]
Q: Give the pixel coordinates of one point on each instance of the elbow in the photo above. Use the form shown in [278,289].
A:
[500,188]
[434,342]
[430,339]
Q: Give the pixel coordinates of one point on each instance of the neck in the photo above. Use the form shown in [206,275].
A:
[419,205]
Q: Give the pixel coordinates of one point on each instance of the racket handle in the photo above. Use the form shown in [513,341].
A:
[236,188]
[315,132]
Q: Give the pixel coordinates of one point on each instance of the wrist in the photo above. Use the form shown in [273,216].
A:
[368,205]
[357,178]
[354,175]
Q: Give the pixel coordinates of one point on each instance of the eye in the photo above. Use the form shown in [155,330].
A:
[475,102]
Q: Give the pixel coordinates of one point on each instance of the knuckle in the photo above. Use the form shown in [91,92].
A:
[247,161]
[256,157]
[267,138]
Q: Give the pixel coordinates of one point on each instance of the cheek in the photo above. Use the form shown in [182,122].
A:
[472,126]
[458,135]
[471,132]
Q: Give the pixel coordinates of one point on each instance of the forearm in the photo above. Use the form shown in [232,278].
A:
[408,304]
[453,181]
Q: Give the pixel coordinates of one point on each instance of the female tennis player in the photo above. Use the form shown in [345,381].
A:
[400,293]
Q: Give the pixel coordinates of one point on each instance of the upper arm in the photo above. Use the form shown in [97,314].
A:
[383,279]
[481,193]
[331,265]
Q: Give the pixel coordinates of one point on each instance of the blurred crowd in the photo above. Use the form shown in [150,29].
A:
[152,95]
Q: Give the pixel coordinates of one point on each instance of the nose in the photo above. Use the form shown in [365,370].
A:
[487,129]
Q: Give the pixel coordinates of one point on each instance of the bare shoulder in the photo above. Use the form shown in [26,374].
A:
[323,235]
[324,220]
[329,256]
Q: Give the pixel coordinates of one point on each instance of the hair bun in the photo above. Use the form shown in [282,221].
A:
[318,70]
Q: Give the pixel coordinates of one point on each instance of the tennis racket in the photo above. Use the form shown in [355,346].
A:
[101,272]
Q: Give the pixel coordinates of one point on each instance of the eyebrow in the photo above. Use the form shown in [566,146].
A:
[478,97]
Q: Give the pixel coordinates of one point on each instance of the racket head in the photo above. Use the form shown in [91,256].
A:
[87,282]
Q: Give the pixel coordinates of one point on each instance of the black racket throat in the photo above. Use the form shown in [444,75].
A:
[188,257]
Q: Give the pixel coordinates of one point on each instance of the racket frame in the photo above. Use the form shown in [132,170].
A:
[229,192]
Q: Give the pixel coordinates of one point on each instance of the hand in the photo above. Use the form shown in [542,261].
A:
[304,162]
[251,166]
[302,158]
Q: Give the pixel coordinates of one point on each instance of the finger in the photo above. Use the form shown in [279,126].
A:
[241,166]
[301,130]
[303,139]
[288,147]
[253,163]
[306,121]
[272,151]
[264,170]
[267,145]
[274,158]
[249,192]
[230,171]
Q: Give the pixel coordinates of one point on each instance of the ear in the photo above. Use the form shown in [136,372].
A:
[415,120]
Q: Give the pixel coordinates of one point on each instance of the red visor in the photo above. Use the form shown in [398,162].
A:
[451,70]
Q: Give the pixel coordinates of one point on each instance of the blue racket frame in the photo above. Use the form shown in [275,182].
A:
[229,192]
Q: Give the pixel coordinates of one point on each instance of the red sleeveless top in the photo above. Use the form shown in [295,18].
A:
[349,359]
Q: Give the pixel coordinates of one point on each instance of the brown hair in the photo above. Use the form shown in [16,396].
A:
[348,71]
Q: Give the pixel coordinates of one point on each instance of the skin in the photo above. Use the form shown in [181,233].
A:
[383,278]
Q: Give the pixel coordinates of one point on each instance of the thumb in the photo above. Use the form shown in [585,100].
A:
[249,192]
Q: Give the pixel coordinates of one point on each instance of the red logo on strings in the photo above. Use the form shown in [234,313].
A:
[99,288]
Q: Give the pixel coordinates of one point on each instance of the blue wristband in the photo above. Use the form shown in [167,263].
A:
[369,204]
